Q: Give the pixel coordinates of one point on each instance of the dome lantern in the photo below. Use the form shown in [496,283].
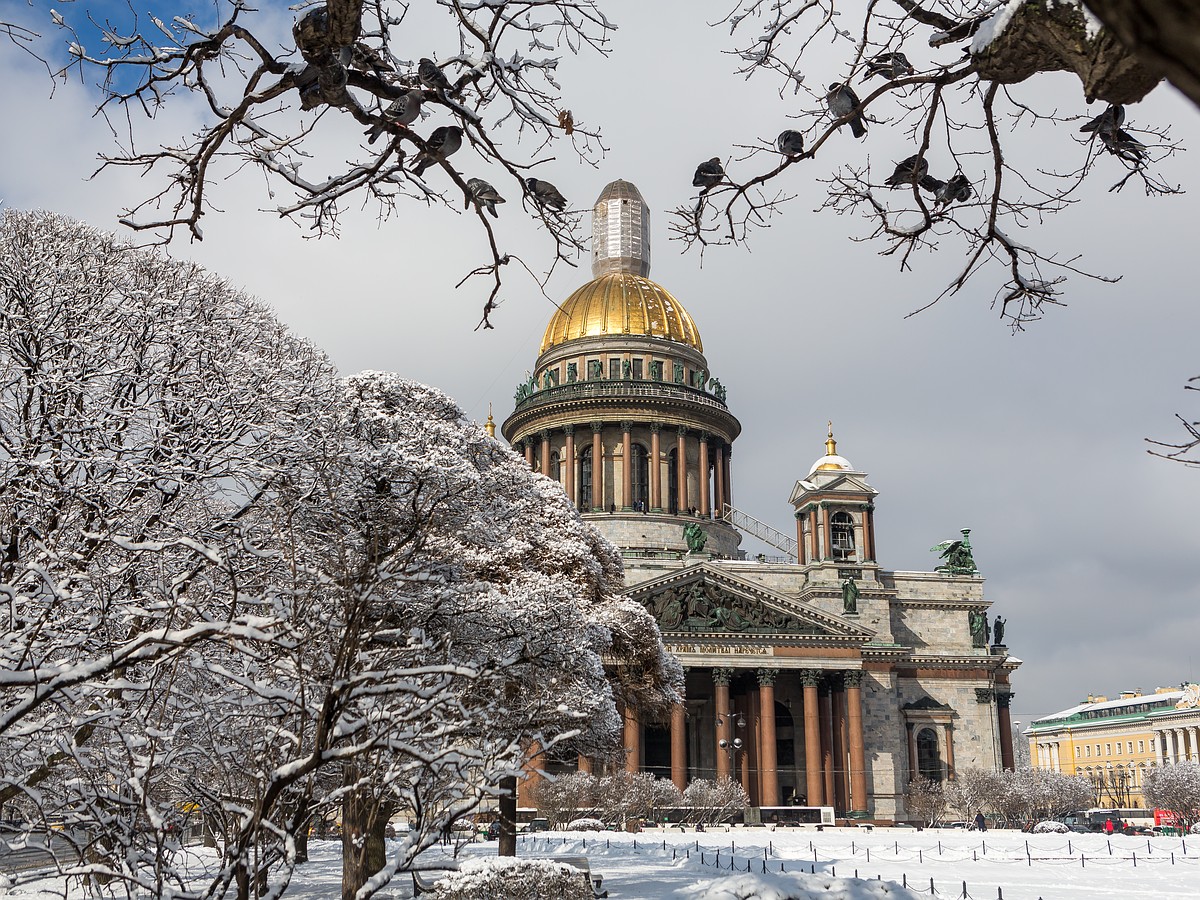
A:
[620,231]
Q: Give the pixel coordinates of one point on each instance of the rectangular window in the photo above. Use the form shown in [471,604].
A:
[637,369]
[1089,750]
[1152,747]
[1141,746]
[1108,749]
[614,367]
[1129,747]
[1077,753]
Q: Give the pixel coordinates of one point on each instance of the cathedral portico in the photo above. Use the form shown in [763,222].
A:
[818,678]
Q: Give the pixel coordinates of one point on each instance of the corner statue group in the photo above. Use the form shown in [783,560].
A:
[957,556]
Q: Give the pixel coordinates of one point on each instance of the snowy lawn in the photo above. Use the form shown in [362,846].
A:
[1023,867]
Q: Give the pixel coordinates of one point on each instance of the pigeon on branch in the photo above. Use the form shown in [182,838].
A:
[889,65]
[790,143]
[403,111]
[444,141]
[434,78]
[842,102]
[483,194]
[956,190]
[1123,144]
[708,175]
[907,171]
[1108,121]
[545,194]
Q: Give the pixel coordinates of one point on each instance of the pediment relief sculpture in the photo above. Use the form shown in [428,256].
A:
[706,607]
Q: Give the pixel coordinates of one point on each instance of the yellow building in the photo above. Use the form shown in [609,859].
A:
[1114,742]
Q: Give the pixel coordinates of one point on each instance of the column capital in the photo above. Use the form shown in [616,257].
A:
[767,676]
[682,430]
[1004,698]
[704,436]
[852,678]
[544,434]
[655,427]
[597,427]
[626,426]
[983,695]
[722,676]
[810,677]
[568,429]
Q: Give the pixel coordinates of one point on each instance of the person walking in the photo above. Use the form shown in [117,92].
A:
[980,822]
[1108,827]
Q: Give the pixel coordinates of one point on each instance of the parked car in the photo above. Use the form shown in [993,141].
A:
[536,825]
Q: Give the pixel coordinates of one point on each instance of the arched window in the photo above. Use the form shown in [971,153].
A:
[929,760]
[640,463]
[584,501]
[841,533]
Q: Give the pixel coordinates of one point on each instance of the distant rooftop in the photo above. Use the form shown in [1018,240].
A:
[1130,705]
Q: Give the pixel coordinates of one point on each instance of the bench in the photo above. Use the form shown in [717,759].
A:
[422,885]
[581,863]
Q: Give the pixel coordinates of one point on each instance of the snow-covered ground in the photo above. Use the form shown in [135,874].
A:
[805,864]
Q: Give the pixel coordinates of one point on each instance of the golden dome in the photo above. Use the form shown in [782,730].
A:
[621,303]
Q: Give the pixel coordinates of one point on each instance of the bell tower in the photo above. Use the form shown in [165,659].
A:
[835,513]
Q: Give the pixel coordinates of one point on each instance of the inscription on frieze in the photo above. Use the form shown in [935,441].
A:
[727,649]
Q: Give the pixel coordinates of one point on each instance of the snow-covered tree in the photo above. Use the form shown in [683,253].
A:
[146,409]
[1176,788]
[239,591]
[925,799]
[568,796]
[710,802]
[973,791]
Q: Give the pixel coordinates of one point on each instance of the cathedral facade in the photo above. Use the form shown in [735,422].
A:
[816,677]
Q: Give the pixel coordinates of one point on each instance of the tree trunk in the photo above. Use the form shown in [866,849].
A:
[508,816]
[364,848]
[1164,34]
[302,844]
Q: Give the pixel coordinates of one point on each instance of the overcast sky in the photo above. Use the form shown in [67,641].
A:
[1035,441]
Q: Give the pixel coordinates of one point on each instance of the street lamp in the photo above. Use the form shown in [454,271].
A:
[731,746]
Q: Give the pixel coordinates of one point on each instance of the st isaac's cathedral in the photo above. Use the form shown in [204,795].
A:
[815,677]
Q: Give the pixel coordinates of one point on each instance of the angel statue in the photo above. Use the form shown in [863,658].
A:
[957,556]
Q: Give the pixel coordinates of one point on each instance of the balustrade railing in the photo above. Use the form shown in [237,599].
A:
[625,387]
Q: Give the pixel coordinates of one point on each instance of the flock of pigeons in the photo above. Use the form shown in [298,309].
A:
[446,140]
[843,103]
[841,100]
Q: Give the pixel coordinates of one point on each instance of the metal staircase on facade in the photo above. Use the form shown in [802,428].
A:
[749,525]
